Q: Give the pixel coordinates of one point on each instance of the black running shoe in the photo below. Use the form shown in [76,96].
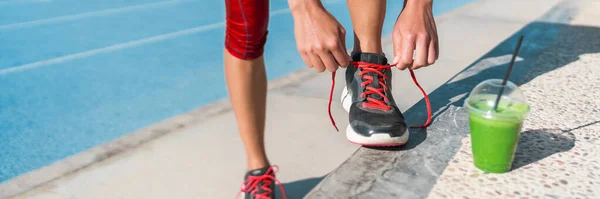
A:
[260,184]
[375,119]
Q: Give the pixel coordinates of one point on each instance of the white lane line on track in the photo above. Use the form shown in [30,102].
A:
[121,46]
[9,2]
[90,14]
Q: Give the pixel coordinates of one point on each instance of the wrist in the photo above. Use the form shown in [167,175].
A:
[303,6]
[418,3]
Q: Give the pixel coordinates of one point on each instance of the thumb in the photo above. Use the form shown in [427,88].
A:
[397,49]
[342,36]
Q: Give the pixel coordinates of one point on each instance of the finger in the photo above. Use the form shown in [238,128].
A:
[432,53]
[437,49]
[407,52]
[422,48]
[397,41]
[316,62]
[329,61]
[341,56]
[306,59]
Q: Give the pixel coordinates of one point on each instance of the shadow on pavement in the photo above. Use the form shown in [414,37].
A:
[535,145]
[539,54]
[298,189]
[582,126]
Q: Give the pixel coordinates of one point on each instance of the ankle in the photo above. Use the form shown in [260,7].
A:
[363,50]
[257,164]
[368,47]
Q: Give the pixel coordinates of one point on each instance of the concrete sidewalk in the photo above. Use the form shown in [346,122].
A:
[559,150]
[199,155]
[557,155]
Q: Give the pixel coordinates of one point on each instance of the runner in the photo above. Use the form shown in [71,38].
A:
[375,120]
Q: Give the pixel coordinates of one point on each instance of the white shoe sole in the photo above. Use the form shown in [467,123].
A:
[379,139]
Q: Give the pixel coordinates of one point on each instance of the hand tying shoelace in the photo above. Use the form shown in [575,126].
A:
[375,103]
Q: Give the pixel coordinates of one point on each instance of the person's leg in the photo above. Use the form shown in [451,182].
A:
[367,20]
[246,33]
[374,118]
[246,79]
[247,86]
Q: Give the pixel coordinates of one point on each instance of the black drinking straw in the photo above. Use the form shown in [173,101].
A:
[510,66]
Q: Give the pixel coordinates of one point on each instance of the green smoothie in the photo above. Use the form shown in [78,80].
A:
[495,134]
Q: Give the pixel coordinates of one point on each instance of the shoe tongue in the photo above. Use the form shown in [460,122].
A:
[374,59]
[370,58]
[258,172]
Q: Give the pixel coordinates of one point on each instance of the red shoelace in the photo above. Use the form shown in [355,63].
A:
[251,184]
[372,102]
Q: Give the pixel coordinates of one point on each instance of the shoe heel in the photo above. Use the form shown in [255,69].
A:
[346,99]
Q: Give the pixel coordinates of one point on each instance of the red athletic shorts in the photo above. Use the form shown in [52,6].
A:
[246,28]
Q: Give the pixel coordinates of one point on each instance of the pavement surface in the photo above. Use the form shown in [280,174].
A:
[177,159]
[557,156]
[559,150]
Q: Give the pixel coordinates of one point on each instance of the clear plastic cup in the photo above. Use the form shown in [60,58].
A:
[495,133]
